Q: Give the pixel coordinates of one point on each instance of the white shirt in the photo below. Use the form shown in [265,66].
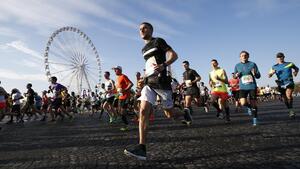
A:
[16,96]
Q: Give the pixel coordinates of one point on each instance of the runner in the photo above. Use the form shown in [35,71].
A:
[29,107]
[123,85]
[204,95]
[235,89]
[109,93]
[191,91]
[176,93]
[16,108]
[247,72]
[157,83]
[3,96]
[57,89]
[45,105]
[267,93]
[285,82]
[219,95]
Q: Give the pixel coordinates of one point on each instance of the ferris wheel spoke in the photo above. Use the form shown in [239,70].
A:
[90,67]
[92,72]
[87,80]
[66,47]
[61,57]
[56,63]
[61,48]
[72,77]
[93,78]
[69,39]
[66,70]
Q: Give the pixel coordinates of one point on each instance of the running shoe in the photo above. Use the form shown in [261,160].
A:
[187,117]
[254,121]
[292,114]
[124,128]
[137,152]
[206,109]
[249,111]
[43,119]
[220,115]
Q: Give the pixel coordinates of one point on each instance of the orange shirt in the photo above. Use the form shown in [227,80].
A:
[122,83]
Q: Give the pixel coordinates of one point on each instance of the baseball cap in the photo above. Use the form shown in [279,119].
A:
[117,67]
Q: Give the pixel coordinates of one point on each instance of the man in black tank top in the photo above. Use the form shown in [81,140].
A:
[157,83]
[191,90]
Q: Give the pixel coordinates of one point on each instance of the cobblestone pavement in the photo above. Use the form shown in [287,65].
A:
[209,143]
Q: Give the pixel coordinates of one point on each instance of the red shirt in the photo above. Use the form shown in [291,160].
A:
[234,84]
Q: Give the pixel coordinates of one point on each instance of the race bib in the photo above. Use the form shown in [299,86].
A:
[247,79]
[188,83]
[149,67]
[218,84]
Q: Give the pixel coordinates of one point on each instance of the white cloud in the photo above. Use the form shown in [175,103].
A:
[48,15]
[45,16]
[9,74]
[21,46]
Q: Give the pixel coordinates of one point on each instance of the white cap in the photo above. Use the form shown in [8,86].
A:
[117,67]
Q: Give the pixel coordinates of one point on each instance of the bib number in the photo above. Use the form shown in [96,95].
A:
[247,79]
[188,83]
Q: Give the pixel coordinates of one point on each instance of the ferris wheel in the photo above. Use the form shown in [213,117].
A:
[71,56]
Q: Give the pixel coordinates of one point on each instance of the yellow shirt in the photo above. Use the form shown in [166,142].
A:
[218,86]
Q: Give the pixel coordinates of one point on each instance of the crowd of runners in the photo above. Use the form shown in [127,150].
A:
[154,89]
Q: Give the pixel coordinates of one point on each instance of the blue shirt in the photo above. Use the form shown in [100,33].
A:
[247,79]
[284,72]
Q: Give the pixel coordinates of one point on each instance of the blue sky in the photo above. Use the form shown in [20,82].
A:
[198,30]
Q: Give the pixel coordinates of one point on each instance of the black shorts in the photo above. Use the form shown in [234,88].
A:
[67,103]
[57,102]
[45,107]
[192,91]
[123,103]
[283,90]
[245,93]
[109,100]
[203,100]
[236,94]
[16,108]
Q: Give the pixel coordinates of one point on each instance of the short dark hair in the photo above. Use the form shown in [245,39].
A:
[214,60]
[54,78]
[243,51]
[148,24]
[29,85]
[107,72]
[280,55]
[186,62]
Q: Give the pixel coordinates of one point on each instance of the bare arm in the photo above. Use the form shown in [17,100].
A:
[171,58]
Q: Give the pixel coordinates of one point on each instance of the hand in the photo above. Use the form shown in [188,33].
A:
[159,67]
[272,72]
[295,73]
[253,71]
